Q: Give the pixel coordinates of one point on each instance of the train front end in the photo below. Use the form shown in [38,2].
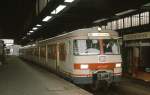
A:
[97,58]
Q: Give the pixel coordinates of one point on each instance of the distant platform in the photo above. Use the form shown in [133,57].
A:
[19,78]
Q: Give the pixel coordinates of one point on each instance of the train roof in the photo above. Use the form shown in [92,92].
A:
[82,32]
[75,33]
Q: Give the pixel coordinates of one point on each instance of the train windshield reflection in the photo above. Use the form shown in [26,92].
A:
[92,47]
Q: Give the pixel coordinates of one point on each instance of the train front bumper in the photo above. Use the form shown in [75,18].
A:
[90,80]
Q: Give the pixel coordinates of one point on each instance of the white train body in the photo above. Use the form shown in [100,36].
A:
[79,55]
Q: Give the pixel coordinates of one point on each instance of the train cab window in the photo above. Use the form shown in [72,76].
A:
[90,47]
[110,46]
[86,47]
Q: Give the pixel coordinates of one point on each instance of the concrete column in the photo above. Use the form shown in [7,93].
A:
[136,56]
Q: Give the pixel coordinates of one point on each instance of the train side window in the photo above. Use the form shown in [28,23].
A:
[42,52]
[62,51]
[75,48]
[79,46]
[86,47]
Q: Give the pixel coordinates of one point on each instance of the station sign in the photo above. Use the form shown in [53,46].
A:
[137,36]
[133,44]
[98,34]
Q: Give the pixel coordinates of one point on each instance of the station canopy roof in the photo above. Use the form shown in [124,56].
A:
[17,16]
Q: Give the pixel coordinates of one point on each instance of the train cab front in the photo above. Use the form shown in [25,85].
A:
[90,73]
[97,60]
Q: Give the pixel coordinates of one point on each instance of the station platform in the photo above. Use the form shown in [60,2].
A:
[19,78]
[130,86]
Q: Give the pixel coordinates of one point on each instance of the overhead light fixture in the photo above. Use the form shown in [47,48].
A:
[100,20]
[58,9]
[34,28]
[125,12]
[68,1]
[53,12]
[47,18]
[31,31]
[28,33]
[38,25]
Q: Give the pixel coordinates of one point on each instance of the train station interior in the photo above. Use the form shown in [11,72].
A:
[75,47]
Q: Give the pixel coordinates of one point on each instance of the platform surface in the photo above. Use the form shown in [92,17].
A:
[19,78]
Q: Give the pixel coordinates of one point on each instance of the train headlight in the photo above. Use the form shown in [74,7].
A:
[84,66]
[118,65]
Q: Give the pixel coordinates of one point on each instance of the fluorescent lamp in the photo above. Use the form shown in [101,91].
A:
[100,20]
[47,18]
[53,12]
[34,28]
[31,31]
[28,33]
[38,25]
[125,12]
[68,1]
[60,8]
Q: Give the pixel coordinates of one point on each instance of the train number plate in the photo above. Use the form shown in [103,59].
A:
[103,76]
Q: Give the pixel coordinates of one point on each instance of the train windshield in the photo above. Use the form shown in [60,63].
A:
[111,46]
[95,47]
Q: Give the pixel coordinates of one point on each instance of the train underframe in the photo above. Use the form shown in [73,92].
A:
[101,79]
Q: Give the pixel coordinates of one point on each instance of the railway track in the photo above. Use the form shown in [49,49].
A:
[112,90]
[109,91]
[122,89]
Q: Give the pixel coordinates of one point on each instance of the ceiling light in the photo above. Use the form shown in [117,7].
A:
[59,8]
[38,25]
[34,28]
[100,20]
[69,1]
[53,12]
[28,33]
[31,31]
[47,18]
[125,12]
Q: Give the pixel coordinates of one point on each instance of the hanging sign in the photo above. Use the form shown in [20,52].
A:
[137,36]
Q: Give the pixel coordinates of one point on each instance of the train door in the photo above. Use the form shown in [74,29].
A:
[46,54]
[57,58]
[39,54]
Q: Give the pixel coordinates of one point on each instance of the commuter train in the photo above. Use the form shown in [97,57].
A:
[84,56]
